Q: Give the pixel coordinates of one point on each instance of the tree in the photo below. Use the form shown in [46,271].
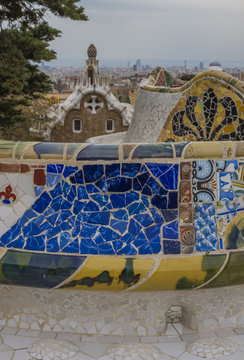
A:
[24,42]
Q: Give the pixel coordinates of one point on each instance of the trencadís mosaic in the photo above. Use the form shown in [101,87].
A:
[133,210]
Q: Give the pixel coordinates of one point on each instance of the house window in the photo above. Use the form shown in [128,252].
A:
[109,127]
[77,125]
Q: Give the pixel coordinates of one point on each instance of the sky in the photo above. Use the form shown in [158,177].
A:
[154,29]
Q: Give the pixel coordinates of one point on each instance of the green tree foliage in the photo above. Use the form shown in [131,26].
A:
[24,42]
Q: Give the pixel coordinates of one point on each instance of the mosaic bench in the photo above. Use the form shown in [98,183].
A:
[165,216]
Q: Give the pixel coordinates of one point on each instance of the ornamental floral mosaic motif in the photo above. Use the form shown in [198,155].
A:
[206,111]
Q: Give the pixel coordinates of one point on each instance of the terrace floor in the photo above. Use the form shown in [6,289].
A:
[177,343]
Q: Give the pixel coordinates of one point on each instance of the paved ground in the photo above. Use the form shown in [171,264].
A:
[177,343]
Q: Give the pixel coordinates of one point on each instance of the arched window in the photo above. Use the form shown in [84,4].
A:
[109,125]
[77,126]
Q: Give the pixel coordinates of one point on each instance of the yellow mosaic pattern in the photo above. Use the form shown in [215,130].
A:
[109,273]
[182,272]
[197,122]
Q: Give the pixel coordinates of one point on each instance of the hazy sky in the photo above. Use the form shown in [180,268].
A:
[155,29]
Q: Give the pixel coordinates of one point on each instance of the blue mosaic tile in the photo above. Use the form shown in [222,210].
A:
[73,247]
[120,214]
[156,187]
[155,244]
[65,226]
[158,169]
[142,179]
[65,205]
[17,244]
[117,245]
[170,231]
[159,201]
[106,249]
[205,227]
[173,200]
[145,249]
[94,249]
[31,214]
[101,184]
[52,179]
[53,232]
[88,230]
[81,218]
[42,203]
[171,247]
[127,250]
[152,232]
[57,191]
[117,200]
[145,200]
[77,178]
[102,200]
[108,234]
[99,239]
[65,238]
[136,185]
[119,184]
[60,168]
[140,240]
[92,189]
[52,169]
[134,227]
[76,229]
[136,208]
[226,195]
[64,215]
[131,197]
[170,215]
[231,165]
[45,226]
[119,225]
[147,190]
[82,193]
[156,216]
[127,238]
[100,218]
[53,245]
[69,170]
[170,178]
[65,188]
[112,170]
[38,190]
[36,243]
[72,194]
[91,206]
[31,229]
[93,173]
[130,170]
[144,219]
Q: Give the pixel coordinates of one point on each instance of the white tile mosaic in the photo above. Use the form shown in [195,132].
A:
[52,350]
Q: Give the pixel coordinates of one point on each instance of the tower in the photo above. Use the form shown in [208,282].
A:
[92,63]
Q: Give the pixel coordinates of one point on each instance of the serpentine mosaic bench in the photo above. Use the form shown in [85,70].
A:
[163,216]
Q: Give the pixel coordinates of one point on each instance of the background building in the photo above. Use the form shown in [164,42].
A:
[91,110]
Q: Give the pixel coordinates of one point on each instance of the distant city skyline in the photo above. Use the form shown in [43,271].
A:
[80,62]
[155,29]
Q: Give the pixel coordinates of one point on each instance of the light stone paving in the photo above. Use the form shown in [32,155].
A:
[123,314]
[40,345]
